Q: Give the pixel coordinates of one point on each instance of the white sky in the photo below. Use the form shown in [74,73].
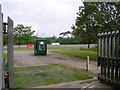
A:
[47,17]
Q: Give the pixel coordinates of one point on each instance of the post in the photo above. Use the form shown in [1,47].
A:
[87,64]
[0,7]
[1,51]
[10,53]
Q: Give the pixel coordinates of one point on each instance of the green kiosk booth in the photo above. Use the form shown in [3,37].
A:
[40,47]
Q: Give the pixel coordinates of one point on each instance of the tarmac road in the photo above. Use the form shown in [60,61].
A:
[60,46]
[27,58]
[70,46]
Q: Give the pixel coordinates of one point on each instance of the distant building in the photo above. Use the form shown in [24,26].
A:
[55,44]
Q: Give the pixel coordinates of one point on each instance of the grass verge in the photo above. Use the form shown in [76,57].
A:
[83,52]
[26,77]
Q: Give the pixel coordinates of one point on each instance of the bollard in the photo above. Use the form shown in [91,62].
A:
[87,64]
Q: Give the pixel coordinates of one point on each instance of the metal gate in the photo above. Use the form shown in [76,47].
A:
[109,57]
[6,67]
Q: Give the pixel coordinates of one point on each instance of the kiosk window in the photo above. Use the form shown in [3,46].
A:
[41,46]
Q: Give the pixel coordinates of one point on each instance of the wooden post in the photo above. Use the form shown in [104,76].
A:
[87,64]
[10,53]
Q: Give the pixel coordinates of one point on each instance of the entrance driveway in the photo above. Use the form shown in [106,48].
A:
[27,58]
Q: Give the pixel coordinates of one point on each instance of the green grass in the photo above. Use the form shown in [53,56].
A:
[26,77]
[30,49]
[5,57]
[94,49]
[83,52]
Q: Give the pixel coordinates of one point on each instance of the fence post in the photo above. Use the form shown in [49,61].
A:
[10,53]
[1,51]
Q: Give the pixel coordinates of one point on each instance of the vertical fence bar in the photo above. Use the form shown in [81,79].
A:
[99,48]
[119,56]
[105,54]
[109,64]
[113,54]
[116,56]
[10,53]
[108,58]
[102,47]
[111,46]
[112,62]
[101,55]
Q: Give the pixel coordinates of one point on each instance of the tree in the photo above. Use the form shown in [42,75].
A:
[65,33]
[95,17]
[23,34]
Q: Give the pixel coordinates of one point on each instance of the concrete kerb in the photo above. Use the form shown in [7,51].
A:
[89,85]
[60,85]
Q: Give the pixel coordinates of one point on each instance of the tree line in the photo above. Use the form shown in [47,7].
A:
[25,35]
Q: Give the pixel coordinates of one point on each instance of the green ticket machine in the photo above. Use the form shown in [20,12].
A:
[40,47]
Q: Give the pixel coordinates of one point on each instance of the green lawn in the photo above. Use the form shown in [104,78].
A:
[26,77]
[83,52]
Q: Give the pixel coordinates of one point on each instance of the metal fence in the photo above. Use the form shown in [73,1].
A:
[109,57]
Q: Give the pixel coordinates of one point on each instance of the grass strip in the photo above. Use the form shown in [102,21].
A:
[82,53]
[26,77]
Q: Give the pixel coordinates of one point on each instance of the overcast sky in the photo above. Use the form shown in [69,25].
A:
[47,17]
